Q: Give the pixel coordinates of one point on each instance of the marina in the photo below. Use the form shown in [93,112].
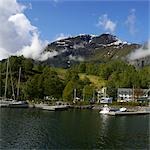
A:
[123,111]
[74,75]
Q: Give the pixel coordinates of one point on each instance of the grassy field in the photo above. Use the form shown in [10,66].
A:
[95,80]
[61,72]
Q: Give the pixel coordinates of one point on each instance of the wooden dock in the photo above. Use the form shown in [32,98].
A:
[128,113]
[55,107]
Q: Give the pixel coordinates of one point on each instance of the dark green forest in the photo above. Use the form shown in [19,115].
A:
[38,80]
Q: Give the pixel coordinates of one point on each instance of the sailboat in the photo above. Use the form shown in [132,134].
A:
[6,102]
[17,102]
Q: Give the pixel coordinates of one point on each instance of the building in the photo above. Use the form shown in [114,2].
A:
[128,94]
[102,96]
[106,100]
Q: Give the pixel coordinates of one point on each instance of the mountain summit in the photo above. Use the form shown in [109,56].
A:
[87,48]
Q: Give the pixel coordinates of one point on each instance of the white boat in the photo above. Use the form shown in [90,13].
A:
[18,104]
[123,109]
[106,110]
[5,102]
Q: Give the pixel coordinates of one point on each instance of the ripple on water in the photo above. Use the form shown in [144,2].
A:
[72,129]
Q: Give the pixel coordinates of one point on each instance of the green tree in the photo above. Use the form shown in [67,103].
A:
[27,65]
[88,91]
[82,67]
[53,87]
[68,91]
[31,90]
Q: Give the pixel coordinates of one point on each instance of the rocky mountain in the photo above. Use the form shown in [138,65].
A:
[87,48]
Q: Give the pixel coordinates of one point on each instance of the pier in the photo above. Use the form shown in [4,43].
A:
[128,113]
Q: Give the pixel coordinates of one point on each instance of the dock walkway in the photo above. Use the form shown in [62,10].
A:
[129,113]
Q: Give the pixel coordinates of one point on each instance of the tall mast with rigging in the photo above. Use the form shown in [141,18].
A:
[6,78]
[18,83]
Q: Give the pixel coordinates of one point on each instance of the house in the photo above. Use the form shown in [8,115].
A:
[129,94]
[102,96]
[101,92]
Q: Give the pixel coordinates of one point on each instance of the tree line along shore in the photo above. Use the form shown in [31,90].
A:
[38,81]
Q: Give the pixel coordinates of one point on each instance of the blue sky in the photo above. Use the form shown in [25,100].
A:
[76,17]
[54,18]
[27,26]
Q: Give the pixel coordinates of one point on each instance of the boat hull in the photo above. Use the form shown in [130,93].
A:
[18,105]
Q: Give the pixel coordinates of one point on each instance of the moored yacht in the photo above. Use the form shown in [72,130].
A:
[18,104]
[105,110]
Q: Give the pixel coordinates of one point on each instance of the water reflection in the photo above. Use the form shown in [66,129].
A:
[103,129]
[73,129]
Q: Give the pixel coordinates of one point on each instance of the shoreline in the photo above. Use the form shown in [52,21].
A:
[98,107]
[86,106]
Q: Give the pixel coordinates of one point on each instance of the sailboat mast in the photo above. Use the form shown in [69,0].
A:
[13,92]
[75,92]
[18,83]
[6,79]
[0,80]
[93,99]
[83,94]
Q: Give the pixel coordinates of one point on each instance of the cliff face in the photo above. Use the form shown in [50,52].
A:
[88,48]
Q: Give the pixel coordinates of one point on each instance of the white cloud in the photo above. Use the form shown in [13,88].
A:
[141,52]
[21,25]
[3,53]
[61,36]
[106,23]
[131,22]
[17,34]
[76,58]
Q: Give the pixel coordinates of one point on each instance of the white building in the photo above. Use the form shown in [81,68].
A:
[128,94]
[102,96]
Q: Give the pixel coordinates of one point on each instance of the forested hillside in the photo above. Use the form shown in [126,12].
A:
[39,81]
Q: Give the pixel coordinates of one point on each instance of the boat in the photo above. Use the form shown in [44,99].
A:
[18,104]
[6,102]
[122,111]
[106,110]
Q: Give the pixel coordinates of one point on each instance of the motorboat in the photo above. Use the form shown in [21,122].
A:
[123,109]
[105,110]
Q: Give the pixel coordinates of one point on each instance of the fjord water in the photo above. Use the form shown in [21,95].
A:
[84,129]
